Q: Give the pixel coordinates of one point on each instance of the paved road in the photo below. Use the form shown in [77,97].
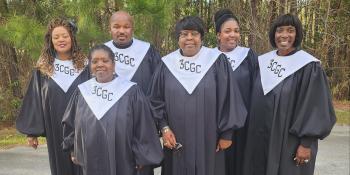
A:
[333,157]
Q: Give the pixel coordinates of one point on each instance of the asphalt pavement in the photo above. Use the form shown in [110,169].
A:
[333,157]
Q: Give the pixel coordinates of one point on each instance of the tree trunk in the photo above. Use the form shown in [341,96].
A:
[282,7]
[273,11]
[293,6]
[253,24]
[8,54]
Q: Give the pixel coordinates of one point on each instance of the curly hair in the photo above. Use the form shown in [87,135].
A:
[48,53]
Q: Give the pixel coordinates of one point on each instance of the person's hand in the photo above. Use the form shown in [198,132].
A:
[33,142]
[303,155]
[169,139]
[223,144]
[73,158]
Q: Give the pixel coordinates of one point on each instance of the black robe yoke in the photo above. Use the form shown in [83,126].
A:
[145,71]
[198,120]
[297,111]
[125,136]
[41,115]
[244,77]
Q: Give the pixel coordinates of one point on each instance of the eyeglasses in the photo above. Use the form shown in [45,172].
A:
[185,34]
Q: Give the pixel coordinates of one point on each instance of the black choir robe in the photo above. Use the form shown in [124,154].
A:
[144,72]
[123,138]
[243,75]
[297,111]
[198,120]
[41,115]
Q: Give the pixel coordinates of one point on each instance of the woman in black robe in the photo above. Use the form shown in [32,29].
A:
[60,68]
[114,130]
[291,106]
[196,104]
[243,62]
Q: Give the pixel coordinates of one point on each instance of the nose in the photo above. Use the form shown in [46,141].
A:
[60,39]
[284,34]
[189,36]
[121,30]
[99,64]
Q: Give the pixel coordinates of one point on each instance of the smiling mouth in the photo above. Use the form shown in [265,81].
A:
[189,45]
[284,43]
[232,41]
[100,71]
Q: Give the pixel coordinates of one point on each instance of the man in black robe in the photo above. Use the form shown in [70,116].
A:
[136,60]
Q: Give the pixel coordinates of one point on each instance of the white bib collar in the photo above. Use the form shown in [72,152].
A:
[129,59]
[236,56]
[190,70]
[64,73]
[102,96]
[274,69]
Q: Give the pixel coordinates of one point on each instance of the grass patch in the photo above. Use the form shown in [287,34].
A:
[343,116]
[9,137]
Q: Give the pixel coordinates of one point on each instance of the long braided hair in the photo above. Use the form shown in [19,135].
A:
[48,53]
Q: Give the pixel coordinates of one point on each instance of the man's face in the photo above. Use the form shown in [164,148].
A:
[121,29]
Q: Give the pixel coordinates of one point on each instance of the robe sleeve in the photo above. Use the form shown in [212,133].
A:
[156,97]
[145,145]
[68,122]
[30,120]
[314,115]
[231,111]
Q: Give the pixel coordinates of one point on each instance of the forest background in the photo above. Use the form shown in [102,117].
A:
[23,23]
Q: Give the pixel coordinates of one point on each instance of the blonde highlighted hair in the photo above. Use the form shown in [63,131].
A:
[48,53]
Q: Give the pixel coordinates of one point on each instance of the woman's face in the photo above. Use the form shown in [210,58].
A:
[61,40]
[190,42]
[284,39]
[102,66]
[229,36]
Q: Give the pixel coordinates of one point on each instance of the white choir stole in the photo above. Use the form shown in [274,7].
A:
[129,59]
[189,71]
[64,73]
[236,56]
[274,69]
[100,97]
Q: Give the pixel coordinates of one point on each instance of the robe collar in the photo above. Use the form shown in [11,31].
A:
[100,97]
[274,69]
[64,73]
[189,71]
[128,60]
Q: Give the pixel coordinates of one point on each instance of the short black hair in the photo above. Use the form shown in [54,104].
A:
[190,23]
[287,20]
[221,16]
[104,48]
